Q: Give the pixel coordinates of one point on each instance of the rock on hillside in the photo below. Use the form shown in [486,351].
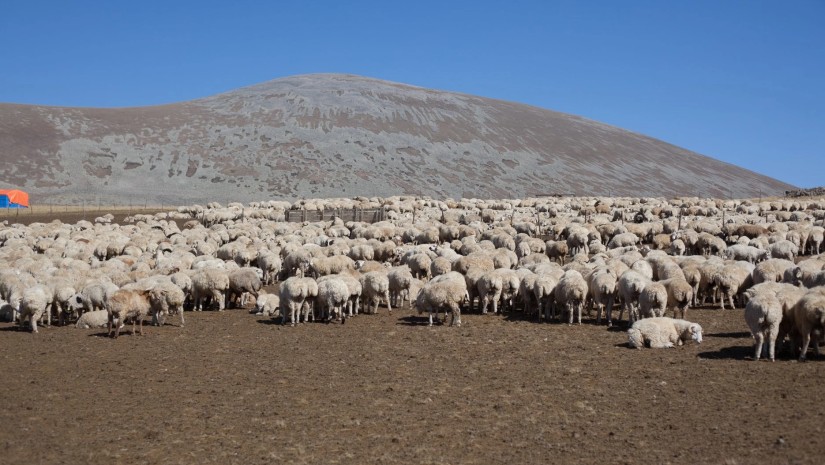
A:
[335,135]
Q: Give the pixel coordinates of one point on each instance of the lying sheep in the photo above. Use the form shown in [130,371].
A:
[663,332]
[93,319]
[445,292]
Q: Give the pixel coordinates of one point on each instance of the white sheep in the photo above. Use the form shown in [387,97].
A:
[333,295]
[210,283]
[445,292]
[267,305]
[168,299]
[763,315]
[571,292]
[809,315]
[375,286]
[631,285]
[35,304]
[663,332]
[653,300]
[602,286]
[93,319]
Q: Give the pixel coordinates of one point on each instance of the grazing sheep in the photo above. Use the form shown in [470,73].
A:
[783,249]
[763,314]
[809,315]
[293,294]
[439,266]
[771,270]
[92,297]
[732,280]
[677,247]
[557,250]
[420,265]
[623,240]
[210,283]
[93,319]
[242,282]
[322,266]
[267,305]
[127,303]
[745,253]
[445,292]
[571,292]
[375,286]
[663,332]
[270,264]
[400,279]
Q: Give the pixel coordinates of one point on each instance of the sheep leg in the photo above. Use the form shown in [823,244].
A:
[773,331]
[569,308]
[456,314]
[579,312]
[431,317]
[806,341]
[730,299]
[758,341]
[387,298]
[33,321]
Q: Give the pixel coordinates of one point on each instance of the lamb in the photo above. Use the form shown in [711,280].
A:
[127,303]
[571,292]
[663,332]
[809,315]
[267,305]
[210,283]
[36,303]
[333,295]
[375,286]
[763,314]
[93,319]
[445,292]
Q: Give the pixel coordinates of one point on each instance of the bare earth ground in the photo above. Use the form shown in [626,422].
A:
[231,387]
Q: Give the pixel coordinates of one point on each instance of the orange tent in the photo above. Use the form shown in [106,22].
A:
[12,198]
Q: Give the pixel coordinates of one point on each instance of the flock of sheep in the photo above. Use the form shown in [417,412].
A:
[545,258]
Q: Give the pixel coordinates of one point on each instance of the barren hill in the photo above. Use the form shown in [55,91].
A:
[333,135]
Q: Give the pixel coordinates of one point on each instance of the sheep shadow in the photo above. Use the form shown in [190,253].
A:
[735,335]
[270,321]
[16,328]
[414,320]
[729,353]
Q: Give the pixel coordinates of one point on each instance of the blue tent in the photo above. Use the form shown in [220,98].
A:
[10,198]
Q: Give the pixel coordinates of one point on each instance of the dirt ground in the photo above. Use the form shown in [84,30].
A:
[231,387]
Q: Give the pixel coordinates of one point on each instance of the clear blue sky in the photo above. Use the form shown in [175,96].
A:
[741,81]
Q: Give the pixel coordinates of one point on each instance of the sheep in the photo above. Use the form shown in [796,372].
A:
[445,292]
[167,298]
[543,290]
[771,270]
[36,303]
[127,303]
[92,297]
[333,295]
[623,240]
[631,285]
[663,332]
[420,265]
[439,266]
[809,315]
[763,315]
[677,247]
[241,282]
[783,249]
[653,300]
[732,280]
[577,241]
[745,253]
[267,305]
[322,266]
[7,312]
[679,294]
[602,285]
[210,283]
[93,319]
[400,279]
[376,286]
[557,250]
[571,292]
[270,264]
[293,294]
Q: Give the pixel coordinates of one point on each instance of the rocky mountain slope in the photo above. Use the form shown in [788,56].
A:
[335,135]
